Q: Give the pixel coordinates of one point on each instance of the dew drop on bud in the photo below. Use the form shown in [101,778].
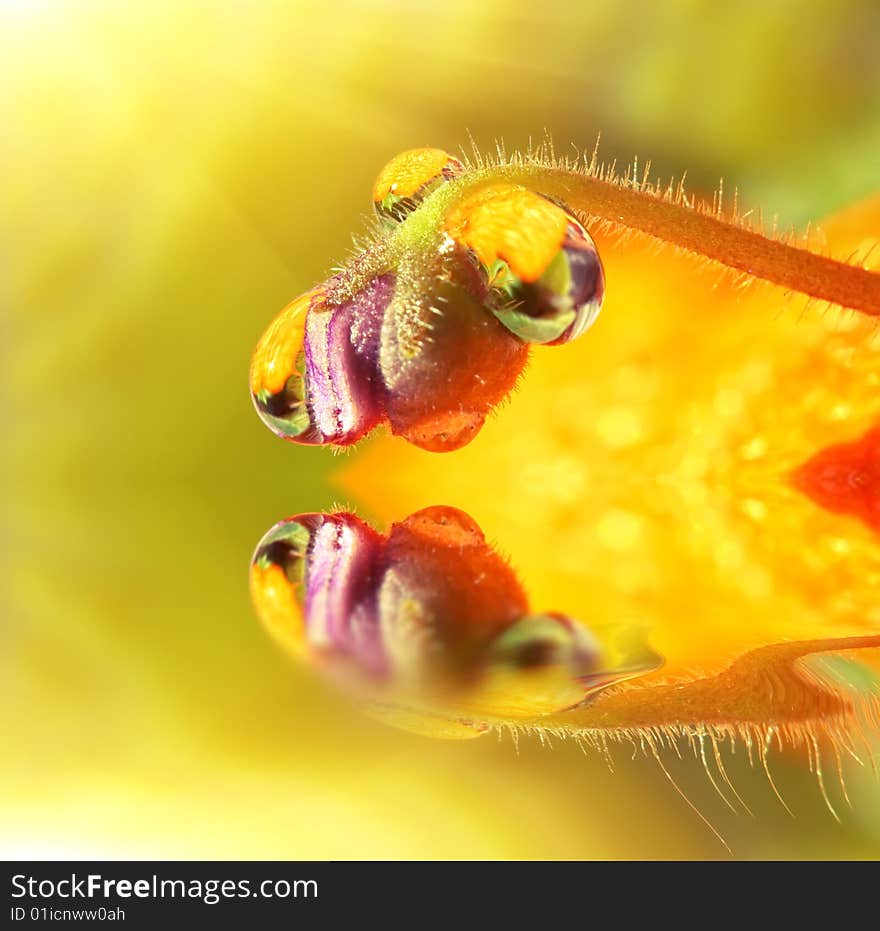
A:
[407,179]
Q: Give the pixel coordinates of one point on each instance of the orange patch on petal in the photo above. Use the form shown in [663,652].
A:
[512,223]
[845,479]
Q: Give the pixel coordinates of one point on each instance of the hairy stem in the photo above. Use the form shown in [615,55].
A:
[746,692]
[701,233]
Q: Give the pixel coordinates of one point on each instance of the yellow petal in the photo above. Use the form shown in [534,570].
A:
[641,475]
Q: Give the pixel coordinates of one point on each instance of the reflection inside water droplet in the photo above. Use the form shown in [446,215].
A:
[428,623]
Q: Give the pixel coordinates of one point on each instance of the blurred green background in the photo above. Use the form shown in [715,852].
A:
[172,174]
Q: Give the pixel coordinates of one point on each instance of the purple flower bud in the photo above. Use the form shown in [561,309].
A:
[428,617]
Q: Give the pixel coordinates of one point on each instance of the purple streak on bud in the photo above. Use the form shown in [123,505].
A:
[340,599]
[341,347]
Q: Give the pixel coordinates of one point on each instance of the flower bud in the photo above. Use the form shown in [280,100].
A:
[427,623]
[446,365]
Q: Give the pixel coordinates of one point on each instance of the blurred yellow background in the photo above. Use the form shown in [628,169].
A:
[172,174]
